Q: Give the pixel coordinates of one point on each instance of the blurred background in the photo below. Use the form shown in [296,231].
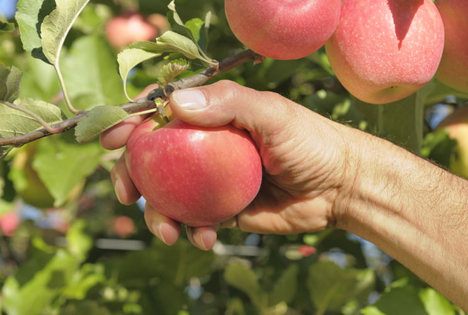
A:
[67,246]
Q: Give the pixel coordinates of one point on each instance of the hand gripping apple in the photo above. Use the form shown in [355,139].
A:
[197,176]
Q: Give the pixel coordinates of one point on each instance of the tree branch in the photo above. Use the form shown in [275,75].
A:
[144,102]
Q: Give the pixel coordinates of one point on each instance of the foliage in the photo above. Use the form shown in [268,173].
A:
[68,259]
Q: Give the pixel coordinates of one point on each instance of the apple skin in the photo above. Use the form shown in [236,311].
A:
[194,175]
[453,69]
[456,125]
[283,29]
[129,28]
[385,50]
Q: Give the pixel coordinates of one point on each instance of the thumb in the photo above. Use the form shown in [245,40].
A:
[226,102]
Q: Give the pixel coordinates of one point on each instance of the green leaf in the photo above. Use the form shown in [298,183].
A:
[78,242]
[396,301]
[10,79]
[435,303]
[171,42]
[196,28]
[90,73]
[97,120]
[29,16]
[56,26]
[331,287]
[243,278]
[128,59]
[39,81]
[175,264]
[6,27]
[401,122]
[286,286]
[63,167]
[85,307]
[14,122]
[38,283]
[88,277]
[169,71]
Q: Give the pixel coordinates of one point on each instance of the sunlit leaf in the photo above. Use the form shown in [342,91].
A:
[63,167]
[171,42]
[56,26]
[331,286]
[435,303]
[128,59]
[169,71]
[78,241]
[39,283]
[97,120]
[90,72]
[286,286]
[14,122]
[243,278]
[396,301]
[29,16]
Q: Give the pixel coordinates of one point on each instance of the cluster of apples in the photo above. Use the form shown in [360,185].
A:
[130,27]
[380,50]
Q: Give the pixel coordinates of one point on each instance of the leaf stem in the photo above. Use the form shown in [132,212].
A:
[65,92]
[142,103]
[49,128]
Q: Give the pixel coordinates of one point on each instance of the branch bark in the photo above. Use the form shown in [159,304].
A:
[144,102]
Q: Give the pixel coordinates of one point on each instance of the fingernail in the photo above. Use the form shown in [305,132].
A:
[156,228]
[206,239]
[190,99]
[117,186]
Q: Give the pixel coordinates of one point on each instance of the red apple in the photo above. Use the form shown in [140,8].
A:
[306,250]
[9,223]
[283,29]
[385,50]
[123,226]
[194,175]
[128,28]
[453,69]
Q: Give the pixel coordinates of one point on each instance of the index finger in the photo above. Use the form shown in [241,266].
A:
[117,136]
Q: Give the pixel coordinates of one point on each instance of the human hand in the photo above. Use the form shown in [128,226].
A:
[304,155]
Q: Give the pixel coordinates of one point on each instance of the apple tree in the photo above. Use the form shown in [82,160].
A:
[71,69]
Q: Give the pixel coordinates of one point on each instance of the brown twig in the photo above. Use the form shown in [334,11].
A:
[142,103]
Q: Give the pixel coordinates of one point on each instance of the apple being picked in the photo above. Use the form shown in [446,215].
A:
[129,28]
[385,50]
[453,69]
[194,175]
[283,29]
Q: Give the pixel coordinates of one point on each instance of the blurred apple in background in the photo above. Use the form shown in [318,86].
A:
[453,69]
[128,28]
[9,222]
[123,226]
[456,124]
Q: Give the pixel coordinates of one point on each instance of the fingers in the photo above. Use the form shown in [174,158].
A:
[117,136]
[203,237]
[261,113]
[126,192]
[162,227]
[169,231]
